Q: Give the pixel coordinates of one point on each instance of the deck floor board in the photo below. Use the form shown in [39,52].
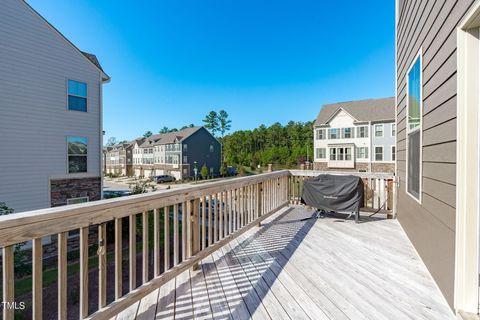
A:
[314,269]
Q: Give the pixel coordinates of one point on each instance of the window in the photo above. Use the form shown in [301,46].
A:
[394,126]
[321,134]
[333,133]
[341,154]
[379,130]
[185,159]
[333,154]
[77,200]
[362,132]
[348,154]
[393,153]
[379,153]
[414,101]
[321,153]
[184,147]
[77,96]
[77,154]
[362,153]
[211,148]
[347,133]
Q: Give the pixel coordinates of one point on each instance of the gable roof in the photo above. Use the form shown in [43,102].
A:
[362,110]
[88,56]
[170,137]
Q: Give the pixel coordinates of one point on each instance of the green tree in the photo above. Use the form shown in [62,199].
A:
[211,122]
[204,171]
[111,141]
[147,134]
[224,124]
[163,130]
[223,171]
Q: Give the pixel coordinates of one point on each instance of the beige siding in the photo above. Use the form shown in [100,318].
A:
[430,26]
[35,63]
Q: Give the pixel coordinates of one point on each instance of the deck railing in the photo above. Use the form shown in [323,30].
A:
[161,234]
[380,189]
[192,222]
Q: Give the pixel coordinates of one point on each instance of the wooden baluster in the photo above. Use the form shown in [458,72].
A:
[102,265]
[156,242]
[175,235]
[210,218]
[166,240]
[204,213]
[231,212]
[196,230]
[62,275]
[184,231]
[118,258]
[8,281]
[221,210]
[132,251]
[188,221]
[215,218]
[83,272]
[250,203]
[37,279]
[242,207]
[145,247]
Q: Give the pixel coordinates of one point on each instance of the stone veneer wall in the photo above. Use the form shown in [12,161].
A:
[383,167]
[323,166]
[63,189]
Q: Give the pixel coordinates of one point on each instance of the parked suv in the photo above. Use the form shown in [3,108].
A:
[163,178]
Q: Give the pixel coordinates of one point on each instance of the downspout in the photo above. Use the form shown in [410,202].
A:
[370,146]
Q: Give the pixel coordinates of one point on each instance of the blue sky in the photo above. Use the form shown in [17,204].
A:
[173,61]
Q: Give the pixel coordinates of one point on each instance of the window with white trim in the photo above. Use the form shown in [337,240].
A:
[414,112]
[362,132]
[77,154]
[341,154]
[393,153]
[394,127]
[333,133]
[379,153]
[321,134]
[379,130]
[77,96]
[347,133]
[321,153]
[362,153]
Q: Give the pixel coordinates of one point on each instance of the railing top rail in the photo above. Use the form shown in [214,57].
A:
[372,175]
[28,225]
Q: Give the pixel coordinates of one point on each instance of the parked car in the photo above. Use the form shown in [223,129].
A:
[163,178]
[231,171]
[108,194]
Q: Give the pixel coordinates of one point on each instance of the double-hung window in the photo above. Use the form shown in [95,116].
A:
[379,153]
[362,153]
[348,133]
[321,153]
[414,113]
[321,134]
[362,132]
[333,133]
[394,127]
[77,154]
[393,153]
[77,96]
[379,130]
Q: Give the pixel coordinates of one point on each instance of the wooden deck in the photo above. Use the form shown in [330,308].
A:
[315,269]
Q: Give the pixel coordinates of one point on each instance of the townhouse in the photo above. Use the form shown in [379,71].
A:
[50,114]
[356,136]
[119,159]
[175,153]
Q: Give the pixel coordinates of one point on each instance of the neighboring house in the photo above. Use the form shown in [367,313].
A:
[356,136]
[119,159]
[437,88]
[50,114]
[177,154]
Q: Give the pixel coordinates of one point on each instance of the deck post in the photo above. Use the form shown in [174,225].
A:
[395,196]
[195,241]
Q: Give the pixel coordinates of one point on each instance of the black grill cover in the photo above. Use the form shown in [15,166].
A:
[339,193]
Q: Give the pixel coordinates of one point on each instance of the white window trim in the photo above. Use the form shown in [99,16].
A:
[375,130]
[391,129]
[408,130]
[366,153]
[375,153]
[73,95]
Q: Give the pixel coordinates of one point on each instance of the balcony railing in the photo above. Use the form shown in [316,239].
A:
[169,231]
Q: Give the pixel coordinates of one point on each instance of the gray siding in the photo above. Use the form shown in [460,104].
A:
[35,63]
[198,149]
[430,25]
[387,141]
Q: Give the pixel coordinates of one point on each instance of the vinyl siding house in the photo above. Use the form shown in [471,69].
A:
[176,154]
[437,116]
[119,159]
[356,136]
[50,114]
